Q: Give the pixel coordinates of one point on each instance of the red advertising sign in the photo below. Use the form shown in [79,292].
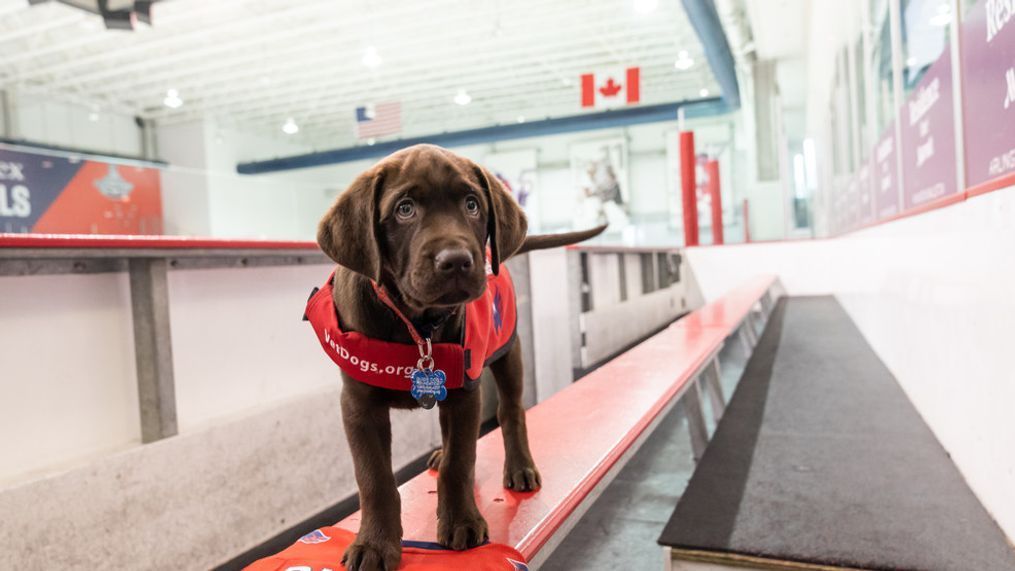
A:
[988,83]
[62,195]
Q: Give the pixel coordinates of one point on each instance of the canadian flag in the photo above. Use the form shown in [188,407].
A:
[606,89]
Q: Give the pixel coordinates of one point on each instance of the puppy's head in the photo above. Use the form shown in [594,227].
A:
[420,220]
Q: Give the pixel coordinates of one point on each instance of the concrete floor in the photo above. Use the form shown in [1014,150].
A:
[621,528]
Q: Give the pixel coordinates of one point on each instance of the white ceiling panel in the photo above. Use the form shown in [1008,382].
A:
[254,63]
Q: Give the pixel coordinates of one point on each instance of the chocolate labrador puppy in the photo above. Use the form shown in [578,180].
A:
[418,226]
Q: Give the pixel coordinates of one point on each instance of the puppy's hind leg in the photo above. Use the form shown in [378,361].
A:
[520,473]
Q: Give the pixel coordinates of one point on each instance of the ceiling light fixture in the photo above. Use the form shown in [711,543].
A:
[290,127]
[684,61]
[173,100]
[520,119]
[645,7]
[371,58]
[93,116]
[462,97]
[704,92]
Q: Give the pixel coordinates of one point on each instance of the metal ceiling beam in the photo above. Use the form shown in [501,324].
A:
[60,150]
[289,99]
[556,126]
[706,23]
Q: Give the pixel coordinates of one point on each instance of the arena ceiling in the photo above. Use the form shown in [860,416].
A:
[257,63]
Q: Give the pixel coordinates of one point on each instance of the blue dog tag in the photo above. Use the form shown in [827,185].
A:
[428,387]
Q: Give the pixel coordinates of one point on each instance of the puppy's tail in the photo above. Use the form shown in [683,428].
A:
[544,241]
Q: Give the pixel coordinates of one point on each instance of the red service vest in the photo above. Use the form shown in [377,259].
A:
[489,331]
[322,549]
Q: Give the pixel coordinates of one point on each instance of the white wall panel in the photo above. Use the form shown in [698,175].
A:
[933,296]
[67,377]
[551,320]
[239,342]
[196,500]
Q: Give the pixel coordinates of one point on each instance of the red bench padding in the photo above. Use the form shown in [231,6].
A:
[579,434]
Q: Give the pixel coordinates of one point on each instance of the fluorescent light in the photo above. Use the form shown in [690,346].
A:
[290,127]
[645,6]
[704,92]
[371,58]
[173,100]
[520,119]
[462,97]
[684,61]
[93,117]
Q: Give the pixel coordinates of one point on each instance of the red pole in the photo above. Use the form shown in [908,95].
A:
[747,222]
[688,186]
[712,168]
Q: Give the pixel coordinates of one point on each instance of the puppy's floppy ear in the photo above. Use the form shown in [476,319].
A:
[348,232]
[506,223]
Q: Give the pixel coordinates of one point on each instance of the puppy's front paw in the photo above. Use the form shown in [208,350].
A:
[462,532]
[522,477]
[372,556]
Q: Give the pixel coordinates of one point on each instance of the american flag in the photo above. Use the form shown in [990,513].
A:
[378,120]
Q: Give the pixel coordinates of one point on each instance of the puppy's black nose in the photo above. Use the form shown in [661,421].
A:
[453,261]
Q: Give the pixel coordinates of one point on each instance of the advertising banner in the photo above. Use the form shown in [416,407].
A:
[60,195]
[928,137]
[988,83]
[885,175]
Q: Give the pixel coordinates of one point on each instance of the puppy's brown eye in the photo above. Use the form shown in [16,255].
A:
[405,209]
[472,205]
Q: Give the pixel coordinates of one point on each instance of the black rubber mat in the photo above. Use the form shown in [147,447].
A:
[820,458]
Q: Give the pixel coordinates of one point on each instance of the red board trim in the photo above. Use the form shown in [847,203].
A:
[534,542]
[655,372]
[91,241]
[992,185]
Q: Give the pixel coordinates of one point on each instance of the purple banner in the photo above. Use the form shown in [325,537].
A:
[988,83]
[928,137]
[885,179]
